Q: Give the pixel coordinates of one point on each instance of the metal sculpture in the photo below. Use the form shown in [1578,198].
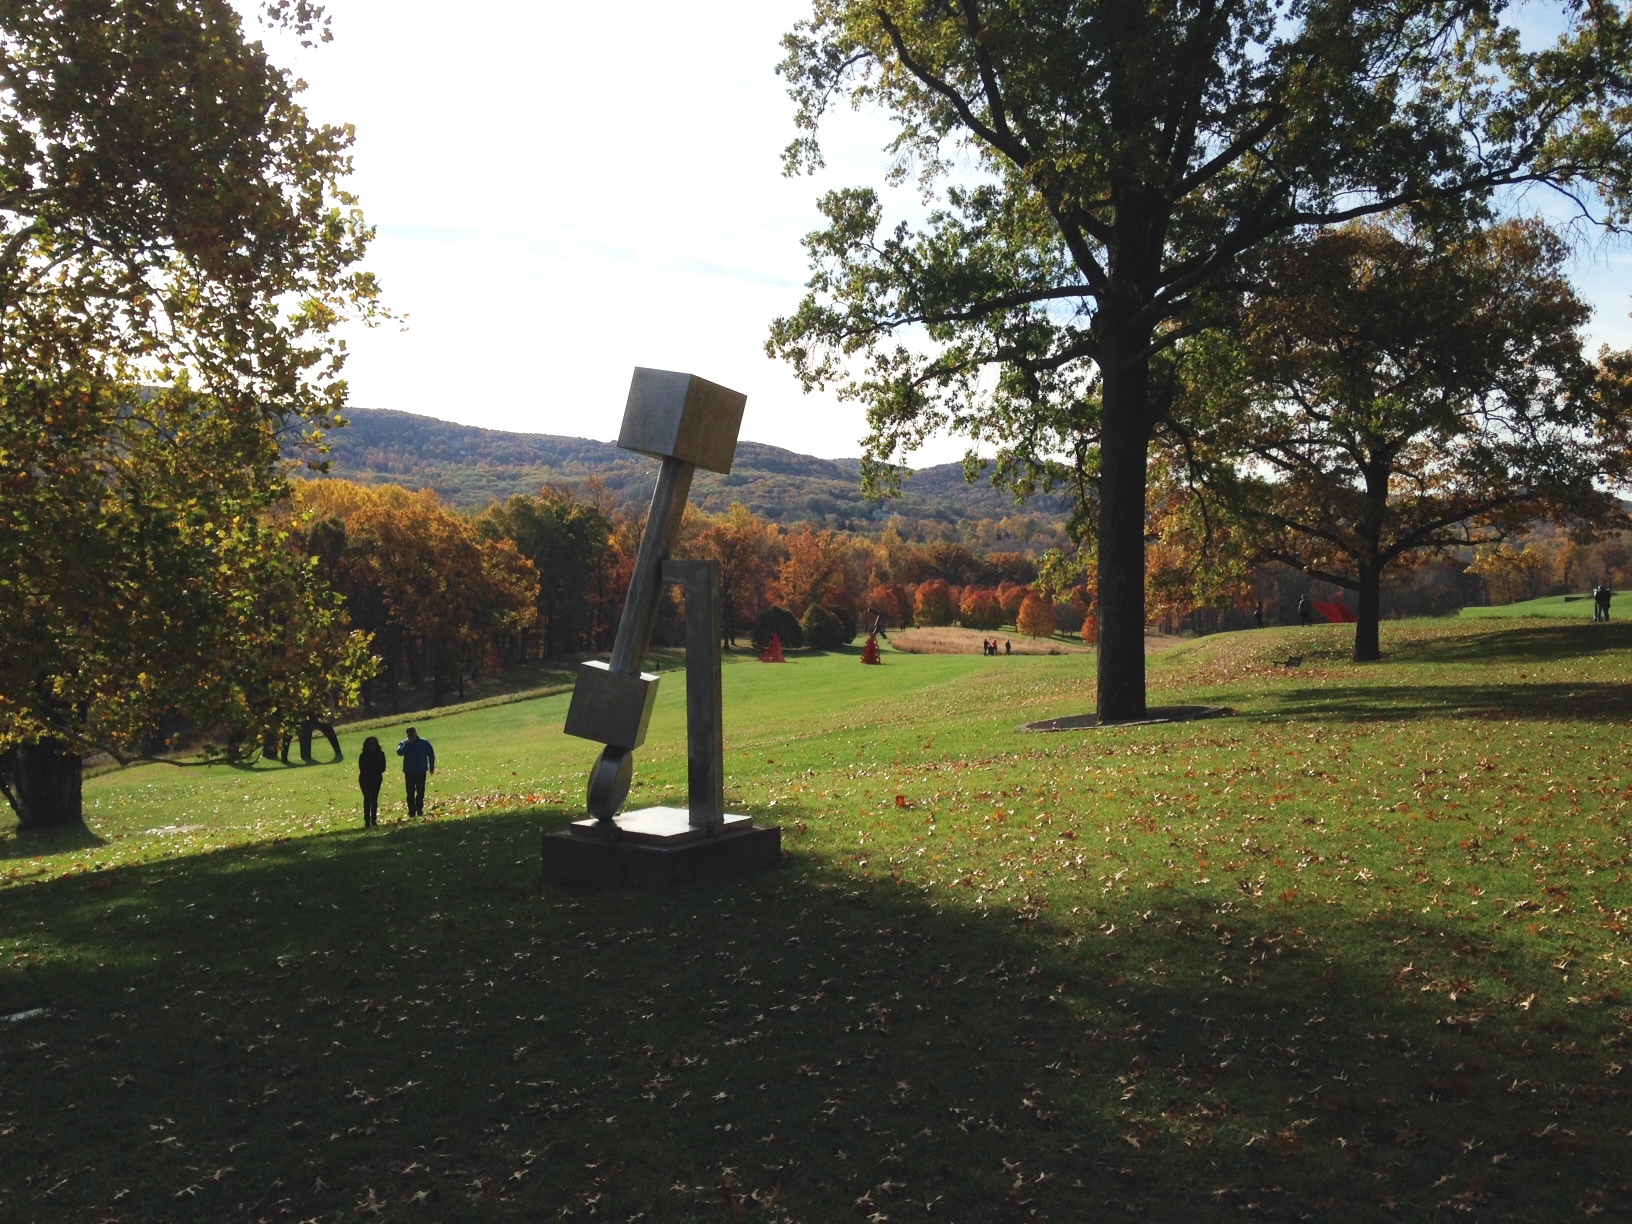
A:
[688,423]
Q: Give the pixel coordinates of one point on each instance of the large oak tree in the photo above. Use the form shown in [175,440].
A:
[175,251]
[1097,169]
[1382,397]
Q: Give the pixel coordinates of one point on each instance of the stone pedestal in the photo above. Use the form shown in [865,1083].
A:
[658,846]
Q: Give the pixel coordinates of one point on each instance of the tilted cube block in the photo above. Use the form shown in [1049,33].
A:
[680,416]
[610,707]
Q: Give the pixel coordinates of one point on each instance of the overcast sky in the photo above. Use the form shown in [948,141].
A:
[565,191]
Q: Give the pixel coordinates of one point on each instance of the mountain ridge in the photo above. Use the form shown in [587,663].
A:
[470,466]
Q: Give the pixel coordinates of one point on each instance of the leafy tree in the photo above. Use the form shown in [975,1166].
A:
[441,591]
[175,251]
[748,550]
[1011,595]
[1127,157]
[814,558]
[1397,397]
[891,601]
[980,609]
[1036,617]
[566,541]
[932,604]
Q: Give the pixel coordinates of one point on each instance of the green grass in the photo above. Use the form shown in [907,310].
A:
[1567,607]
[1358,952]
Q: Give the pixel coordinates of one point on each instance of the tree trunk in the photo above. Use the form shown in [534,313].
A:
[43,784]
[1124,445]
[1366,647]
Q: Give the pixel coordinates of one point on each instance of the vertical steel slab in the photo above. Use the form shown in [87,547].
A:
[705,719]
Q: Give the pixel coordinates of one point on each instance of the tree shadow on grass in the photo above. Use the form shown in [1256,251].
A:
[1520,644]
[18,843]
[1583,702]
[400,1020]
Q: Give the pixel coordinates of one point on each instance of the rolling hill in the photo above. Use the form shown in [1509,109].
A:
[472,467]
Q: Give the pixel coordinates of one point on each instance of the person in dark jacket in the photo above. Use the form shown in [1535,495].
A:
[418,759]
[370,777]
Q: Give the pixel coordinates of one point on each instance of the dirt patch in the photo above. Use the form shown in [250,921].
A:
[967,641]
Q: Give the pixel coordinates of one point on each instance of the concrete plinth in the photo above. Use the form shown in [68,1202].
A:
[654,848]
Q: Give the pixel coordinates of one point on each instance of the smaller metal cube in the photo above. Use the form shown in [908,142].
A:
[671,415]
[610,707]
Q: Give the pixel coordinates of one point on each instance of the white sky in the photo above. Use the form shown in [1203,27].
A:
[564,191]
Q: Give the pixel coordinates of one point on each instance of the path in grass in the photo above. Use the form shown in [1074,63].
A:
[1358,952]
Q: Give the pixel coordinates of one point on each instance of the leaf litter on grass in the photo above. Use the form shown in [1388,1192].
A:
[1288,965]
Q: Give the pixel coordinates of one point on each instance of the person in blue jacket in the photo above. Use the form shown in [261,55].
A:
[418,759]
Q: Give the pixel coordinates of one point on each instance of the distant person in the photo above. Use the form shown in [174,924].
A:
[1008,647]
[1598,602]
[370,777]
[1604,596]
[1306,614]
[1258,614]
[418,760]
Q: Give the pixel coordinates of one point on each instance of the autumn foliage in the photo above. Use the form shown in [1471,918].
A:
[1036,617]
[932,604]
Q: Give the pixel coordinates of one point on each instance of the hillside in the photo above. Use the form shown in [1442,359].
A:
[471,467]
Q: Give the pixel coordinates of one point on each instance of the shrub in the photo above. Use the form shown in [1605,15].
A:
[822,630]
[778,620]
[1036,617]
[932,606]
[980,609]
[847,621]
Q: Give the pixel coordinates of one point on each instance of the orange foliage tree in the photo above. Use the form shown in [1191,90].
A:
[419,575]
[980,609]
[815,558]
[932,604]
[1036,617]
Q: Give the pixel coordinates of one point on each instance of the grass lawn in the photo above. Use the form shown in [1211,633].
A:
[1360,951]
[1567,607]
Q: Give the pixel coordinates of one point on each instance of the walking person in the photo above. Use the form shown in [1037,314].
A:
[418,760]
[1598,602]
[1258,614]
[1306,613]
[1605,594]
[370,777]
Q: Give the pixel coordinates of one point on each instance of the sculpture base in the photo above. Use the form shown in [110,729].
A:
[658,826]
[657,846]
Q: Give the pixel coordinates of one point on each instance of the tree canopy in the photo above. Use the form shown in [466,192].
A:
[1394,397]
[176,249]
[1097,169]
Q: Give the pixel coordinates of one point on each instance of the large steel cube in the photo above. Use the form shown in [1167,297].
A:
[680,416]
[610,707]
